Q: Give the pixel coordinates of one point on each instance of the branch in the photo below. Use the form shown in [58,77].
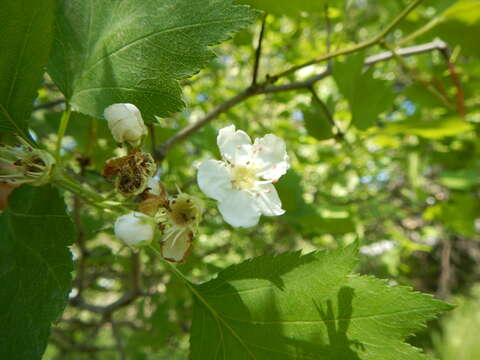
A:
[267,88]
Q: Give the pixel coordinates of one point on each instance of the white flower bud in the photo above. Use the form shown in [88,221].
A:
[135,229]
[126,123]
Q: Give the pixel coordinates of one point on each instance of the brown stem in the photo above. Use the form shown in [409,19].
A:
[460,96]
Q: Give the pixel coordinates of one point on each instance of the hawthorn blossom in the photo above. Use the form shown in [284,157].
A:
[135,229]
[242,182]
[125,123]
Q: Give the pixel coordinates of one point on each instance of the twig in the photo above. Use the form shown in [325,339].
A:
[363,45]
[408,51]
[48,105]
[328,28]
[258,51]
[339,134]
[83,251]
[428,86]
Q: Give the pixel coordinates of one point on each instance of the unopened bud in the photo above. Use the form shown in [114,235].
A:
[125,123]
[135,229]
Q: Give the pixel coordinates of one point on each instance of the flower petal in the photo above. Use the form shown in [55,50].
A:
[271,155]
[239,210]
[267,200]
[229,140]
[177,244]
[214,178]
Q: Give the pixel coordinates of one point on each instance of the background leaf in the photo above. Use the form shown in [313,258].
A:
[35,267]
[317,123]
[306,307]
[26,28]
[430,129]
[117,51]
[367,97]
[461,19]
[290,8]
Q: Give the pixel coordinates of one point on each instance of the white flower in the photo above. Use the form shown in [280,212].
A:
[242,182]
[135,229]
[125,123]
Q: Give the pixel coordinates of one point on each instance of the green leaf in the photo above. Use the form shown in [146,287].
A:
[317,123]
[306,307]
[459,213]
[35,267]
[26,28]
[128,51]
[430,129]
[460,19]
[463,179]
[366,96]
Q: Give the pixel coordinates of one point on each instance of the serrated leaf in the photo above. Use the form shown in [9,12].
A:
[134,52]
[26,28]
[366,96]
[35,267]
[306,307]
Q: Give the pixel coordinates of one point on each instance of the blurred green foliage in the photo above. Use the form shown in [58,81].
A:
[385,161]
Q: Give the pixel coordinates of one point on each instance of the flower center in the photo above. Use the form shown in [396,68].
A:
[184,211]
[243,177]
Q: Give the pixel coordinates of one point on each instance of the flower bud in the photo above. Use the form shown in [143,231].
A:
[125,123]
[135,229]
[23,164]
